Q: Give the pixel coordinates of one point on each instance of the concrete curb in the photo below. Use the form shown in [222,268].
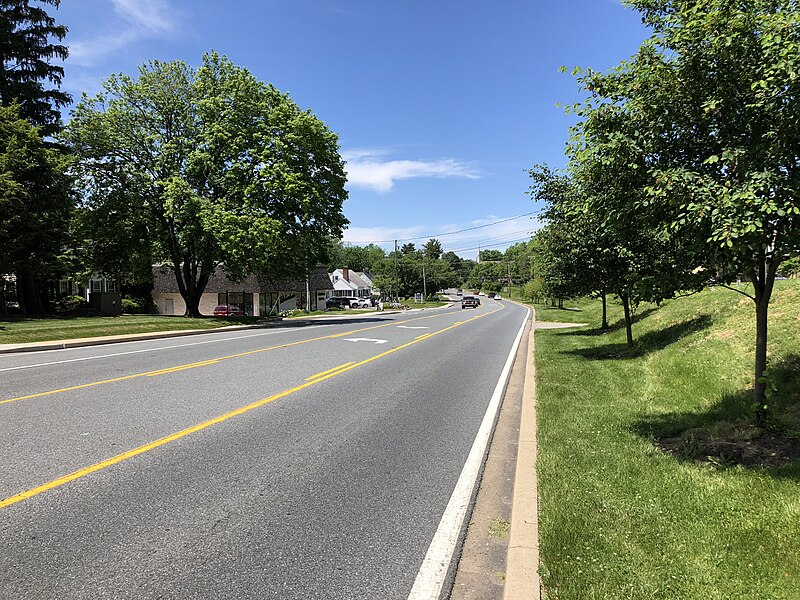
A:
[522,562]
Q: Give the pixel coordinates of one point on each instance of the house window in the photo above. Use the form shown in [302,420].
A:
[97,285]
[111,286]
[63,286]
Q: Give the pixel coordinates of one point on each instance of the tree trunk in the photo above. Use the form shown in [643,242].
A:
[605,313]
[763,282]
[30,301]
[191,285]
[626,306]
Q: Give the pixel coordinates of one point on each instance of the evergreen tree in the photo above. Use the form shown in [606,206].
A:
[26,66]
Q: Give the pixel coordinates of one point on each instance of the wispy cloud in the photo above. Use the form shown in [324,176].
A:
[373,170]
[465,239]
[135,20]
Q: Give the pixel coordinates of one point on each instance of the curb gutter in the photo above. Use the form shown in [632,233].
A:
[522,562]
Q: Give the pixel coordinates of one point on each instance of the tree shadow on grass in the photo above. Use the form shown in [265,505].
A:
[617,325]
[645,344]
[725,435]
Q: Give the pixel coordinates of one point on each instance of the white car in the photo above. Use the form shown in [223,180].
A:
[360,303]
[498,297]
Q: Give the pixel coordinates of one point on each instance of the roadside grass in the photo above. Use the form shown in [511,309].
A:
[653,480]
[19,330]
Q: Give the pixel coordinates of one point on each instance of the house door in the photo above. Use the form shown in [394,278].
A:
[169,306]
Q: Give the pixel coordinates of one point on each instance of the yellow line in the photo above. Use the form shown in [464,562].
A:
[199,427]
[184,367]
[318,375]
[423,336]
[209,362]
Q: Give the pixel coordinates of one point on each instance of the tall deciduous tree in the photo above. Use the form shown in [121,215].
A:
[222,168]
[715,96]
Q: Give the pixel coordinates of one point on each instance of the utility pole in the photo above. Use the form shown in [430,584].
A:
[396,280]
[424,284]
[509,281]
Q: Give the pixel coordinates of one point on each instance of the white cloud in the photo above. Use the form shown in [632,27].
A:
[370,169]
[136,20]
[362,236]
[155,16]
[498,234]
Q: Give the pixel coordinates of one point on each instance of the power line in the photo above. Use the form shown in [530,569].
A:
[438,235]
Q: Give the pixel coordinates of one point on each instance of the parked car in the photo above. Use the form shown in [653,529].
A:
[470,302]
[339,302]
[361,303]
[498,297]
[228,310]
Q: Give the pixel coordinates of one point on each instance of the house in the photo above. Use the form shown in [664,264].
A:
[96,284]
[256,299]
[355,284]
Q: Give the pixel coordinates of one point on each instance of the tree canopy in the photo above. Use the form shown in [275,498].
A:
[219,168]
[26,52]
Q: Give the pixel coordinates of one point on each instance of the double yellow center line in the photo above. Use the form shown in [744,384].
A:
[204,362]
[319,377]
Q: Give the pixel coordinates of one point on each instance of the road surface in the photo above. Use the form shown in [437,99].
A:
[302,462]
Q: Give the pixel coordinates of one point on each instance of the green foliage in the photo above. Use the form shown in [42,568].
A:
[135,306]
[35,206]
[491,255]
[433,249]
[357,258]
[70,304]
[532,290]
[215,167]
[710,104]
[26,52]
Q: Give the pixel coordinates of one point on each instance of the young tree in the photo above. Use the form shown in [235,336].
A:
[221,168]
[715,97]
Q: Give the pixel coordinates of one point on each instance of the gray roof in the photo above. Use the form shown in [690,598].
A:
[164,282]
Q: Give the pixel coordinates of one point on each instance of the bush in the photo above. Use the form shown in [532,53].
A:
[70,304]
[133,307]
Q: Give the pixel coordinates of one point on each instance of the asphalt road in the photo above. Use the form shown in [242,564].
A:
[305,462]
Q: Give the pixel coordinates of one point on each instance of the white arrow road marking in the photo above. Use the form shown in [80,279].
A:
[409,327]
[365,340]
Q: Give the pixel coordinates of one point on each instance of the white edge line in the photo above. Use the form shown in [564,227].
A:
[436,565]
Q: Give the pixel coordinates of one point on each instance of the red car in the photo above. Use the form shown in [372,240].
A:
[228,310]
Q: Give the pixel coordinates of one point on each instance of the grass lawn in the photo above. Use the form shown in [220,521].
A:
[654,482]
[19,330]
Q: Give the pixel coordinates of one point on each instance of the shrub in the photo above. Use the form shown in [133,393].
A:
[70,304]
[132,307]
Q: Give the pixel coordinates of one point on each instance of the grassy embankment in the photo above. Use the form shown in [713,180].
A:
[654,482]
[20,330]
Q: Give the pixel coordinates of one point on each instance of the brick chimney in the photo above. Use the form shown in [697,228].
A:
[346,274]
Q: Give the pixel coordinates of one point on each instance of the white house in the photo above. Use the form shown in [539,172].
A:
[355,284]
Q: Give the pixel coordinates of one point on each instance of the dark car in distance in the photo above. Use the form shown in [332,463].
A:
[470,302]
[339,302]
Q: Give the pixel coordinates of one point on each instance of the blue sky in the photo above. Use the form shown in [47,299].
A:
[440,106]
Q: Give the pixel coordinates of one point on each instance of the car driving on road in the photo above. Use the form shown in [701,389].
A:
[470,302]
